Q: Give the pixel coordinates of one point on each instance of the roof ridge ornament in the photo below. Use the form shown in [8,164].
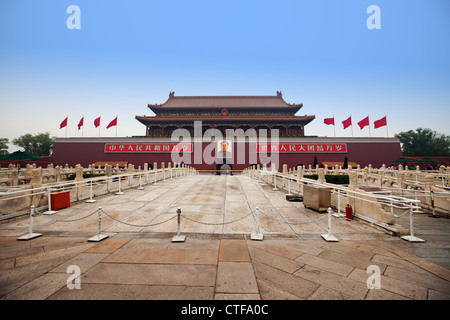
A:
[279,94]
[172,94]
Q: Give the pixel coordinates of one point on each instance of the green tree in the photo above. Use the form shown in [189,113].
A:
[4,146]
[39,145]
[424,142]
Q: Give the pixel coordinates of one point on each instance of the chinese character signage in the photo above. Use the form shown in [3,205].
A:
[148,148]
[303,148]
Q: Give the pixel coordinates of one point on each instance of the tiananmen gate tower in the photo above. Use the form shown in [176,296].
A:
[226,132]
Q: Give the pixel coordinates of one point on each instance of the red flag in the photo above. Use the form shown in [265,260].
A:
[112,123]
[347,123]
[364,122]
[80,124]
[380,123]
[329,121]
[97,122]
[64,123]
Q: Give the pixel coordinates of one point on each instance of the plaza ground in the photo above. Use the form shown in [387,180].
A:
[218,260]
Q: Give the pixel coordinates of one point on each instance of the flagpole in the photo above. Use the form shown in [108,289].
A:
[67,125]
[117,121]
[82,130]
[334,127]
[387,132]
[369,125]
[352,125]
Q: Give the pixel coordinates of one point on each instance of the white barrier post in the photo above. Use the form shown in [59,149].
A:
[411,237]
[98,237]
[178,237]
[275,182]
[338,214]
[329,236]
[49,211]
[434,215]
[90,197]
[257,235]
[339,201]
[30,234]
[140,182]
[289,186]
[120,188]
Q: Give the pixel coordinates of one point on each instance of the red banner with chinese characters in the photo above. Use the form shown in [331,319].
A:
[303,148]
[148,148]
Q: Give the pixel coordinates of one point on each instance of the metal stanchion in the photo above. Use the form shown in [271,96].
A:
[120,188]
[154,182]
[98,237]
[289,187]
[275,183]
[178,237]
[411,237]
[90,197]
[30,235]
[49,211]
[257,235]
[338,213]
[329,236]
[434,215]
[140,183]
[339,202]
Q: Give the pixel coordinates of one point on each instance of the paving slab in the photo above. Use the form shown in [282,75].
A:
[268,291]
[350,287]
[90,291]
[151,274]
[236,277]
[108,245]
[163,256]
[273,247]
[286,282]
[325,264]
[274,260]
[84,261]
[39,288]
[399,287]
[233,251]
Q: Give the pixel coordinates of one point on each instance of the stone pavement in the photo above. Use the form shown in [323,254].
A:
[217,261]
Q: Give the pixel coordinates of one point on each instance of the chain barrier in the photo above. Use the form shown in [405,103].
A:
[63,220]
[218,224]
[137,225]
[294,223]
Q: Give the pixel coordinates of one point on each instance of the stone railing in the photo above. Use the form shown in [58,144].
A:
[19,198]
[428,187]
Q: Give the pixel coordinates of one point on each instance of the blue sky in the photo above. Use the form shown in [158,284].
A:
[131,53]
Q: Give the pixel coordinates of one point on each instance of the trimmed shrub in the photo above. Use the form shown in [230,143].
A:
[85,175]
[331,178]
